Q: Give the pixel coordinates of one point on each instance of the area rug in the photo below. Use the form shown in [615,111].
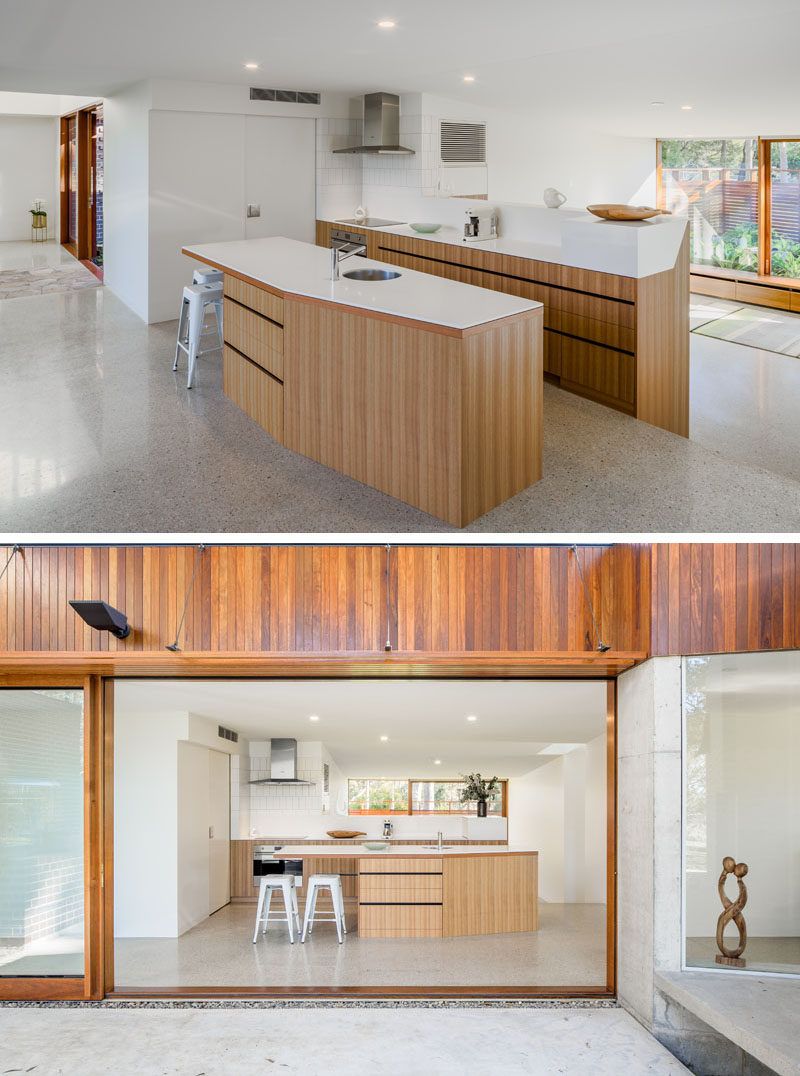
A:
[704,308]
[18,283]
[757,326]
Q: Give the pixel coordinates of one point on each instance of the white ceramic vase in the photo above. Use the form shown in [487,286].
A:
[553,198]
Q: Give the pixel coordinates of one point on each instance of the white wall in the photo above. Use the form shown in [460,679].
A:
[125,196]
[204,169]
[752,807]
[160,831]
[29,155]
[525,154]
[559,809]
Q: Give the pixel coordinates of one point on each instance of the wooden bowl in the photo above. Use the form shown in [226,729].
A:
[344,834]
[611,211]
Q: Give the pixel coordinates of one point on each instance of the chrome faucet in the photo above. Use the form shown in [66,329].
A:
[341,251]
[439,839]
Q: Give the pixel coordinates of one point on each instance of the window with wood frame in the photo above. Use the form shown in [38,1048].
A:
[742,200]
[368,795]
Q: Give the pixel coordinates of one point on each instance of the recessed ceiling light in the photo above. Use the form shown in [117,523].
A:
[252,67]
[687,108]
[387,24]
[384,739]
[437,762]
[469,78]
[471,717]
[313,717]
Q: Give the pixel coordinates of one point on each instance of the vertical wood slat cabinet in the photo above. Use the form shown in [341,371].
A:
[252,360]
[620,341]
[400,898]
[242,887]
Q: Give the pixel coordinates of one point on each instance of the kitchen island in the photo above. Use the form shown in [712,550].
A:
[424,892]
[615,295]
[427,389]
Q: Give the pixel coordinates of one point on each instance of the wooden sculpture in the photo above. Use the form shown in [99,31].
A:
[732,911]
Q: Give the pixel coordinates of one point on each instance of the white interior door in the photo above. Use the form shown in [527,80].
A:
[219,830]
[280,176]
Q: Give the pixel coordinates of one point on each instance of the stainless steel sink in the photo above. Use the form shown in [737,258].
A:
[371,274]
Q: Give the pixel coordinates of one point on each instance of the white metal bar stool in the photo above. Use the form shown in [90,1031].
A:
[207,276]
[196,299]
[269,883]
[315,883]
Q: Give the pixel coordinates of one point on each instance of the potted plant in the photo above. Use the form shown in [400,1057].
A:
[477,790]
[38,215]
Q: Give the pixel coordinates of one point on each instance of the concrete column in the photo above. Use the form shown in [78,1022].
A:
[649,830]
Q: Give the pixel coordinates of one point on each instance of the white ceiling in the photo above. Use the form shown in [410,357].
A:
[423,720]
[596,64]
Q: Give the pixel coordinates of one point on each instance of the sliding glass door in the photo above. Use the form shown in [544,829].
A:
[41,833]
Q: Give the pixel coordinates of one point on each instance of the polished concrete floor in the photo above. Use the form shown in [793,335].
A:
[333,1042]
[567,950]
[100,436]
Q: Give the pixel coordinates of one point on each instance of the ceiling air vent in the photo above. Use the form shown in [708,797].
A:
[296,97]
[227,734]
[463,143]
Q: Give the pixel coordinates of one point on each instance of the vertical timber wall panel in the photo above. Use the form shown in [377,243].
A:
[725,597]
[330,598]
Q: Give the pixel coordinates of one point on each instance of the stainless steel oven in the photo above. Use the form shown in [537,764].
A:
[264,862]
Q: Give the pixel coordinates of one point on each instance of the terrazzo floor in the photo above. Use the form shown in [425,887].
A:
[100,436]
[567,950]
[333,1042]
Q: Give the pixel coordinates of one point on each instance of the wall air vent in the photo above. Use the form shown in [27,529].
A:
[296,97]
[227,734]
[462,143]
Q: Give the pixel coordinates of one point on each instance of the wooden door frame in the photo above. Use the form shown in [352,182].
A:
[84,222]
[98,673]
[89,986]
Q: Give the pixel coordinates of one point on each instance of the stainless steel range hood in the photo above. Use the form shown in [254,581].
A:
[381,126]
[282,765]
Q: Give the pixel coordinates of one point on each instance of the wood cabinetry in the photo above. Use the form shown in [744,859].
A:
[252,358]
[400,898]
[617,340]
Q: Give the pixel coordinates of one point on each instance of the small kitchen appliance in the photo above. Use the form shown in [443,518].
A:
[387,829]
[481,224]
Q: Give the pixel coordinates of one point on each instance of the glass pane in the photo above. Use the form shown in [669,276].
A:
[785,166]
[72,178]
[743,804]
[715,184]
[369,796]
[41,832]
[444,797]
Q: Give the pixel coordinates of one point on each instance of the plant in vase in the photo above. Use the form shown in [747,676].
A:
[38,215]
[478,790]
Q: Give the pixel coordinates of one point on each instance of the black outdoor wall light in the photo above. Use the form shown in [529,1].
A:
[103,617]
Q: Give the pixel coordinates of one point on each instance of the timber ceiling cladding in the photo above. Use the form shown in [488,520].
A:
[330,598]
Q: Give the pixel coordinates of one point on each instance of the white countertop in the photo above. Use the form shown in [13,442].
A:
[300,851]
[636,248]
[304,269]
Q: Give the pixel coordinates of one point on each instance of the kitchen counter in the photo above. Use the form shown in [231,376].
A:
[634,249]
[303,851]
[302,269]
[427,389]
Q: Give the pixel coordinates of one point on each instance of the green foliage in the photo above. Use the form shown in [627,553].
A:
[709,153]
[476,788]
[785,257]
[737,249]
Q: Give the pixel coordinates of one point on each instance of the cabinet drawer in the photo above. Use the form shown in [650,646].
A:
[396,865]
[552,353]
[617,287]
[256,337]
[263,302]
[400,888]
[598,332]
[399,921]
[608,373]
[251,388]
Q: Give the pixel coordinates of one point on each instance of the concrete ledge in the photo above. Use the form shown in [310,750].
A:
[760,1015]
